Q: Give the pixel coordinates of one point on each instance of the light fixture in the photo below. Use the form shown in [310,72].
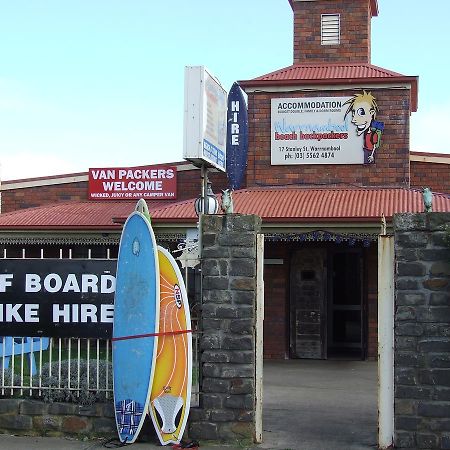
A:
[212,204]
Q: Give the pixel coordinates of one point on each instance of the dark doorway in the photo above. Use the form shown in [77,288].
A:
[345,301]
[326,303]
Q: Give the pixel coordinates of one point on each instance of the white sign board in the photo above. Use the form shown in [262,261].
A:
[314,131]
[205,118]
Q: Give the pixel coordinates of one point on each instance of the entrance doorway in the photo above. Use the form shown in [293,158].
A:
[345,305]
[326,304]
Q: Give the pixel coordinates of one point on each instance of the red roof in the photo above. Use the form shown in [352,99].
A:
[276,204]
[71,215]
[327,71]
[337,73]
[303,204]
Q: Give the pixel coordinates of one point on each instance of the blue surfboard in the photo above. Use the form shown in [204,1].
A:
[237,137]
[136,321]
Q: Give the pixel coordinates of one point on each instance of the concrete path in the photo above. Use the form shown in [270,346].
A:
[308,405]
[8,442]
[320,405]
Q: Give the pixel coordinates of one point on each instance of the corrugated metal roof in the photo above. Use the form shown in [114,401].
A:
[336,73]
[328,71]
[272,204]
[302,204]
[71,215]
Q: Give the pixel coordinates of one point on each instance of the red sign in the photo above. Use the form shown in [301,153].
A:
[130,183]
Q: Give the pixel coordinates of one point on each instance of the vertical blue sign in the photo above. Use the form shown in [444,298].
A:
[237,137]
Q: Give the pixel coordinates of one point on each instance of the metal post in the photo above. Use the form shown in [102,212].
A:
[385,341]
[204,174]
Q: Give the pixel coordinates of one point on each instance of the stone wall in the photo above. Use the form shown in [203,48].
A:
[227,382]
[32,417]
[422,331]
[29,417]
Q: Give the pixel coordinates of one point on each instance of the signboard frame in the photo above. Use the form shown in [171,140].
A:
[205,119]
[57,297]
[156,182]
[316,130]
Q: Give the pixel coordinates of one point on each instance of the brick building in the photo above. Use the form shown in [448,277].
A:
[329,156]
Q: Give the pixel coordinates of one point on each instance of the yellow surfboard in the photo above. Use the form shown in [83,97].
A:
[171,390]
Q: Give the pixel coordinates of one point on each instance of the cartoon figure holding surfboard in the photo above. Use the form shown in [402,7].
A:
[364,108]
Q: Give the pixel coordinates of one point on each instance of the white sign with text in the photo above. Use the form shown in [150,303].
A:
[314,131]
[205,118]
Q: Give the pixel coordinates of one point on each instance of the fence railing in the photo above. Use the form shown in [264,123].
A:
[64,369]
[55,368]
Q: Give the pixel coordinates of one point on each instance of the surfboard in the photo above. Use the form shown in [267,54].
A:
[171,391]
[136,321]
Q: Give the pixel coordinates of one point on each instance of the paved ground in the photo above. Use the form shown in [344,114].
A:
[320,405]
[308,405]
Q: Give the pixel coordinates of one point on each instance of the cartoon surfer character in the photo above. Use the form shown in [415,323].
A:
[364,109]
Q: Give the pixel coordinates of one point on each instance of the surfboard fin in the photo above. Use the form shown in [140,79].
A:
[142,207]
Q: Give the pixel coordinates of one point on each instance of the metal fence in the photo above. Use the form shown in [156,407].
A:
[65,369]
[36,367]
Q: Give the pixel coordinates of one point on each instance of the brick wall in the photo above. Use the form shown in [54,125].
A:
[188,186]
[391,168]
[276,301]
[432,175]
[355,32]
[422,331]
[15,199]
[371,293]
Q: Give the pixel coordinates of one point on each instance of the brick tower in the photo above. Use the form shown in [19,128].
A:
[327,31]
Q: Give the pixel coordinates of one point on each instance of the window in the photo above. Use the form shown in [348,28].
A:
[331,29]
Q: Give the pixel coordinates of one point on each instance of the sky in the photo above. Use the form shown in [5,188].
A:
[100,83]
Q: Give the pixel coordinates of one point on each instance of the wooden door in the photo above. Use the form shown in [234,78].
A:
[308,304]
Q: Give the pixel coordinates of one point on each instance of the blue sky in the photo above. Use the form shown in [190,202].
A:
[99,83]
